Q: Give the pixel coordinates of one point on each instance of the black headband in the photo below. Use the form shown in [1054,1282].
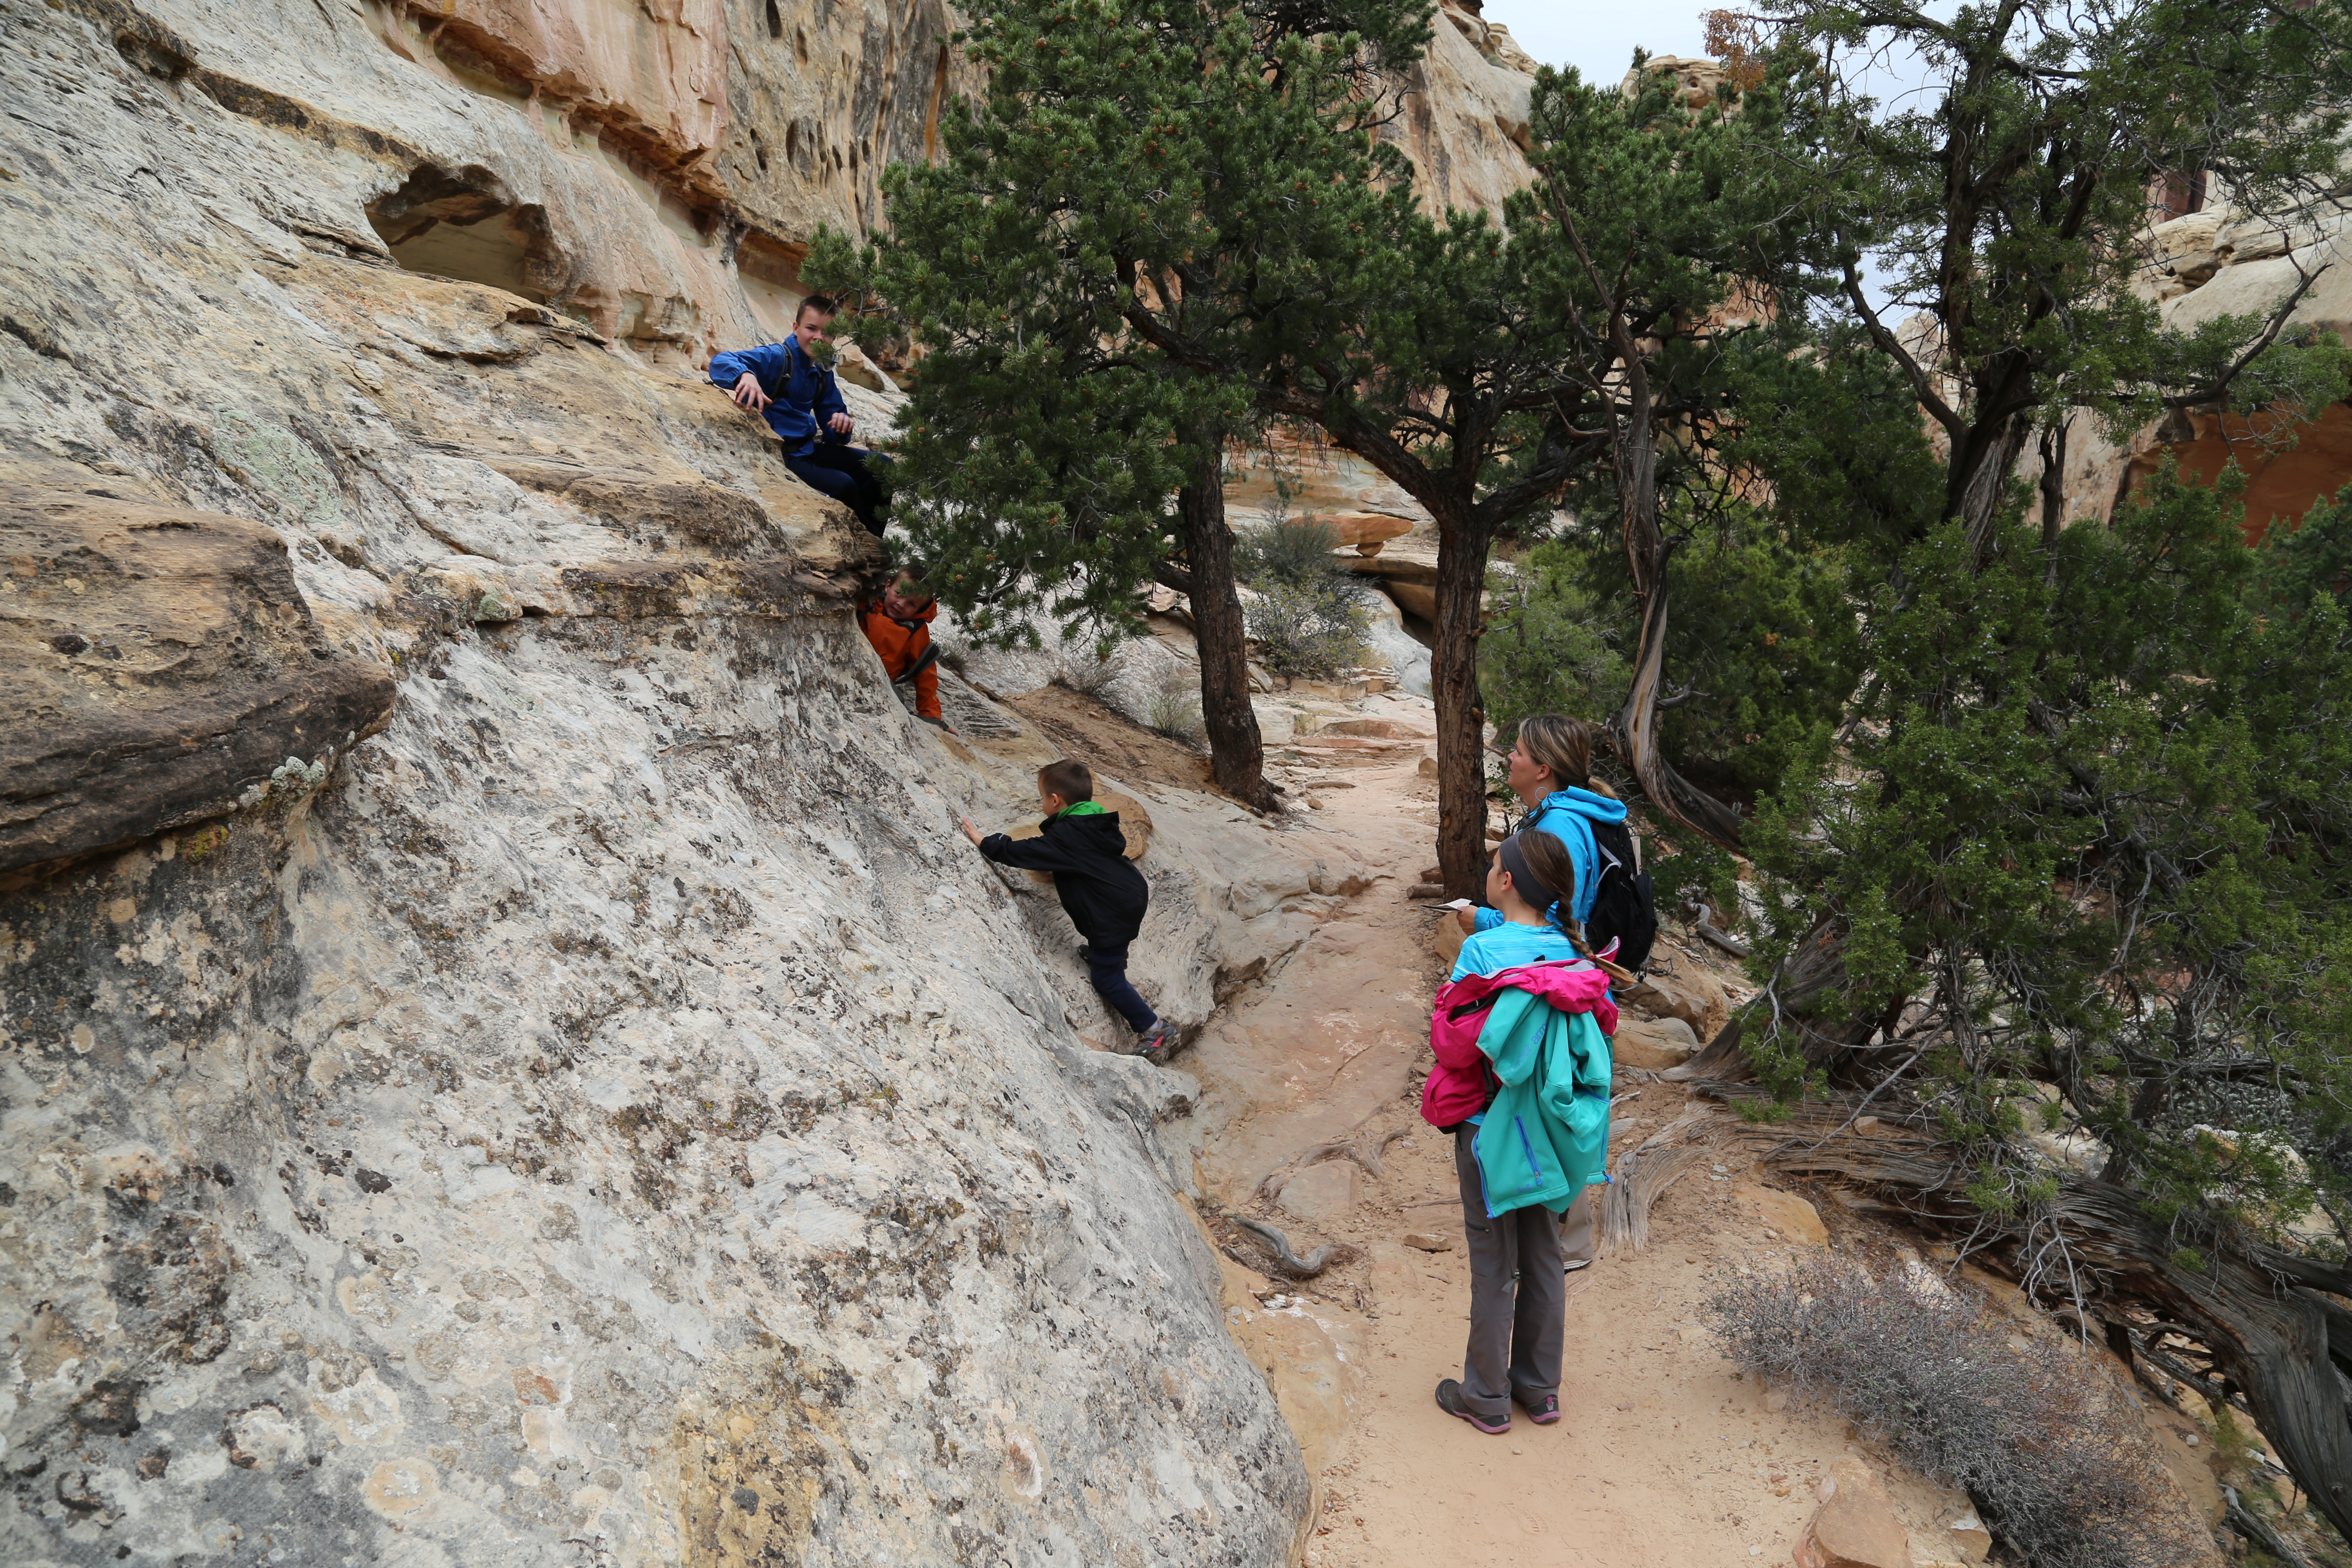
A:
[1530,887]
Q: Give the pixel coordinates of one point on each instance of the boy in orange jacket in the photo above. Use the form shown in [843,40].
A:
[898,625]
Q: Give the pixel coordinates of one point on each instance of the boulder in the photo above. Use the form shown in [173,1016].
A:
[1375,729]
[1856,1526]
[1656,1043]
[1446,937]
[159,666]
[1413,598]
[1681,987]
[1792,1216]
[1364,532]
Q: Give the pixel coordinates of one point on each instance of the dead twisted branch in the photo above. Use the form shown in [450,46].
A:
[1641,1176]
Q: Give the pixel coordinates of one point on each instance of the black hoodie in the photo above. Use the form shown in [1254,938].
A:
[1099,885]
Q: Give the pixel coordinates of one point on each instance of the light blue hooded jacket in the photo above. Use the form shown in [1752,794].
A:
[1568,815]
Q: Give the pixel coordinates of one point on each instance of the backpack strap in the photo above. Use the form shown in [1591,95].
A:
[923,661]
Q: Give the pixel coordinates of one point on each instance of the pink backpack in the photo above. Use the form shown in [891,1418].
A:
[1461,1084]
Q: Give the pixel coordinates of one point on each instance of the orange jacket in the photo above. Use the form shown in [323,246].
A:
[906,646]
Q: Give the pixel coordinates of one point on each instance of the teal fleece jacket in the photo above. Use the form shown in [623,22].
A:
[1546,1136]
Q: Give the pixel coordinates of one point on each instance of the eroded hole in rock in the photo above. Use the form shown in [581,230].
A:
[463,224]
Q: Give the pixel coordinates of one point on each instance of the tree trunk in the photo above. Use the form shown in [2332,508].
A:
[1989,456]
[1634,729]
[1236,755]
[1460,716]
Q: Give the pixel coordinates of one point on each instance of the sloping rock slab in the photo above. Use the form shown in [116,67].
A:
[155,666]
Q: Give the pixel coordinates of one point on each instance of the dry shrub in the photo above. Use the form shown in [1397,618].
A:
[1089,668]
[2060,1466]
[1175,708]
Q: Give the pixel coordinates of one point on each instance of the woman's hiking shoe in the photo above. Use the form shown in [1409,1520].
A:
[1156,1041]
[1544,1411]
[1449,1399]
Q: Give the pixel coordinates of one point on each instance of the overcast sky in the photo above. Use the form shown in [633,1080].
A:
[1599,37]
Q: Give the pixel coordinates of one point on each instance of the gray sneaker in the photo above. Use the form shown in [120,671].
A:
[1156,1041]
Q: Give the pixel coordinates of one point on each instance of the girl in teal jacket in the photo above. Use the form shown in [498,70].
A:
[1541,1138]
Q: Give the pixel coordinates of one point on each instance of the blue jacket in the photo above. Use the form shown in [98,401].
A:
[804,392]
[1546,1134]
[1567,816]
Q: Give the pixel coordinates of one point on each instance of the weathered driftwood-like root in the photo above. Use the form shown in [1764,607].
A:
[2265,1316]
[1365,1150]
[1642,1176]
[1286,1261]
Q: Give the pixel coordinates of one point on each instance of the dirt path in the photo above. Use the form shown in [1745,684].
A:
[1667,1455]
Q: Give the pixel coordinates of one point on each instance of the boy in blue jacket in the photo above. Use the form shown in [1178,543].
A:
[802,405]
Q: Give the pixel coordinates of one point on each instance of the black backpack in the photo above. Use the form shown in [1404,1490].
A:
[1626,905]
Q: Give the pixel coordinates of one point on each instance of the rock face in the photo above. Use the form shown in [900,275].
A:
[2202,267]
[505,1058]
[162,666]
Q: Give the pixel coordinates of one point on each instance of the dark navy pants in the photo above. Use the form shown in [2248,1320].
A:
[839,471]
[1107,971]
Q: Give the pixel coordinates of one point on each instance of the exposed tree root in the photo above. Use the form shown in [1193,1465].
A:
[1286,1261]
[1364,1148]
[1642,1176]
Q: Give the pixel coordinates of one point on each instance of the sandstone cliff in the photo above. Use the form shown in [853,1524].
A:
[2199,268]
[505,1059]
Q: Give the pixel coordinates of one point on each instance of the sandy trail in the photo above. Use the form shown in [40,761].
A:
[1667,1455]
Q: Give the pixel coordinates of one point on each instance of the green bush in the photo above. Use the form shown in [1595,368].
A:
[1548,648]
[1309,617]
[1298,553]
[1315,630]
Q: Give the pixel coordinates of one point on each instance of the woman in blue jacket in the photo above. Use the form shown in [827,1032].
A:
[1550,771]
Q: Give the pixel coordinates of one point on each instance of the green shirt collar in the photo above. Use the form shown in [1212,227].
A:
[1084,808]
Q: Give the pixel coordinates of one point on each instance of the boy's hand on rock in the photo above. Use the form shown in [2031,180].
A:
[747,392]
[969,830]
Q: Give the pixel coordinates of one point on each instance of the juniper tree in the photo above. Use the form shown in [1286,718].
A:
[1146,208]
[1600,318]
[2081,824]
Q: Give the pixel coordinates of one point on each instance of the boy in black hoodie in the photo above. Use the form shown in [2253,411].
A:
[1081,845]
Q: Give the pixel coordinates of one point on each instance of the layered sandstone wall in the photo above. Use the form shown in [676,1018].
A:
[503,1056]
[2201,268]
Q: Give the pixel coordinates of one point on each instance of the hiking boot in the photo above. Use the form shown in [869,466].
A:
[1571,1265]
[1449,1399]
[1155,1042]
[1544,1411]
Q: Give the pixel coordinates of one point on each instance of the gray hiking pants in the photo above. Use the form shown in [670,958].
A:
[1518,1302]
[1576,1229]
